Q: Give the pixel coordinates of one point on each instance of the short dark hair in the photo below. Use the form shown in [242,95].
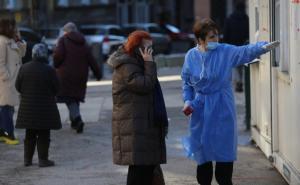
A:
[7,27]
[202,27]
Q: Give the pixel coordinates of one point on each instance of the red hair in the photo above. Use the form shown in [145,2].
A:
[135,39]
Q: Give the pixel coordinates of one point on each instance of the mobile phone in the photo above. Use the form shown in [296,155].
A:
[188,110]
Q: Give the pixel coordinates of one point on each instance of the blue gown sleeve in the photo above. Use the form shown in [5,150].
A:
[239,55]
[187,89]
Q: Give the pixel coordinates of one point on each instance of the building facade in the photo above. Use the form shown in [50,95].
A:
[53,13]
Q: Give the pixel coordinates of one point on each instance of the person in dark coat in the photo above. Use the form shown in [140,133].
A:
[238,19]
[72,59]
[38,112]
[138,135]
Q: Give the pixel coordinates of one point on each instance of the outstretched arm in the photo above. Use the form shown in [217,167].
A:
[239,55]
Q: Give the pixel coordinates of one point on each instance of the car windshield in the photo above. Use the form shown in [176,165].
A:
[92,31]
[116,31]
[50,33]
[30,36]
[154,29]
[129,29]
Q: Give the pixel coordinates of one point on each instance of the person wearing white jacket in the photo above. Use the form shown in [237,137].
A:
[12,49]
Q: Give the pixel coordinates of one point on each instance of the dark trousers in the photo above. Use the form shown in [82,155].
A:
[223,173]
[6,119]
[41,138]
[74,110]
[140,174]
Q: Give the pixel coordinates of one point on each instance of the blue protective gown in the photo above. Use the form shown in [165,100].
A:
[207,88]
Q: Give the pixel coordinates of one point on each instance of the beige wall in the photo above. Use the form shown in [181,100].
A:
[202,9]
[284,93]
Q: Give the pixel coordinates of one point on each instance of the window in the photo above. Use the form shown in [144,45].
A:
[116,31]
[276,30]
[129,29]
[154,29]
[50,33]
[85,2]
[30,36]
[93,31]
[256,19]
[141,12]
[63,3]
[76,3]
[12,4]
[281,29]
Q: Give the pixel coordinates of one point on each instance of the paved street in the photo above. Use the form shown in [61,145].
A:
[86,159]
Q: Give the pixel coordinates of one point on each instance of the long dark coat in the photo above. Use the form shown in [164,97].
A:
[136,139]
[72,59]
[38,85]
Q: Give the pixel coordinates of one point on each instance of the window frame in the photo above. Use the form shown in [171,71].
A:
[280,31]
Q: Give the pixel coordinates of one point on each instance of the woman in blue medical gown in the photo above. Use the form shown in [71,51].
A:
[208,97]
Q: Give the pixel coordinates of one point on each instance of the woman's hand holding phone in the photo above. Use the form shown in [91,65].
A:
[146,53]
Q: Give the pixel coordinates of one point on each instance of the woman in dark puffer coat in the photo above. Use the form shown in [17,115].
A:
[138,135]
[38,112]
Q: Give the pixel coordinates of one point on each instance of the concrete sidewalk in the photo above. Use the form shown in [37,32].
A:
[86,159]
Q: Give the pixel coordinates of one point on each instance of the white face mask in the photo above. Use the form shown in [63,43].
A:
[212,45]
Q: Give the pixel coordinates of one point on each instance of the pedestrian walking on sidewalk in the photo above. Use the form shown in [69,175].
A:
[208,98]
[12,49]
[72,59]
[139,118]
[237,37]
[38,112]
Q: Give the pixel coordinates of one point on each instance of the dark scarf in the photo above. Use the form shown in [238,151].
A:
[160,112]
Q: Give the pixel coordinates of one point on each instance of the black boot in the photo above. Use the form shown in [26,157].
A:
[78,124]
[29,148]
[73,124]
[43,149]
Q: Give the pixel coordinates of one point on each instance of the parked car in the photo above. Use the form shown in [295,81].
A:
[109,36]
[179,38]
[31,37]
[161,41]
[50,37]
[175,33]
